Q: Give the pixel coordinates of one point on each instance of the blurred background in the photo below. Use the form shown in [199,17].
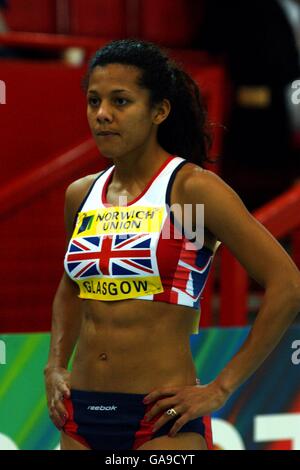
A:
[245,56]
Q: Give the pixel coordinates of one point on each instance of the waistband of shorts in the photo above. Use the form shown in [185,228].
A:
[95,395]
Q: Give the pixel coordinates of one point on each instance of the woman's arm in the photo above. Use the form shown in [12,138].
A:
[267,262]
[264,259]
[66,320]
[66,317]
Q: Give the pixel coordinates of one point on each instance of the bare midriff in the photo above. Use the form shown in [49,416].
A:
[134,346]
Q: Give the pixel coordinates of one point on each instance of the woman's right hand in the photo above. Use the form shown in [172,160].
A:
[57,381]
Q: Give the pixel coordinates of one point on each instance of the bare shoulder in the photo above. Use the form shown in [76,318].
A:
[196,185]
[78,188]
[75,193]
[194,182]
[222,205]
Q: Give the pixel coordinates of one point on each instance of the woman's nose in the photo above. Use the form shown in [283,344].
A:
[104,113]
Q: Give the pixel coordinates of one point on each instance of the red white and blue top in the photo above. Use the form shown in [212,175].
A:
[137,250]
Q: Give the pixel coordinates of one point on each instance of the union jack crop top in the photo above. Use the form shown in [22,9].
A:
[134,251]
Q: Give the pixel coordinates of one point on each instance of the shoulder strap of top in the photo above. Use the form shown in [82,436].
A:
[171,180]
[88,193]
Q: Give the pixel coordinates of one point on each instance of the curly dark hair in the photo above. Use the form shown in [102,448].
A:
[185,132]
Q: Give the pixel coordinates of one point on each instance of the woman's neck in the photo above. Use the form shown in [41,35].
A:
[143,165]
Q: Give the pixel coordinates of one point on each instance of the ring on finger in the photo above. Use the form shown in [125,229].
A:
[171,412]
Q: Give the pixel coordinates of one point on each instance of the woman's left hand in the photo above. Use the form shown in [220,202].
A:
[189,402]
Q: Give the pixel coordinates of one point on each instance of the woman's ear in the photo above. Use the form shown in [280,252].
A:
[161,111]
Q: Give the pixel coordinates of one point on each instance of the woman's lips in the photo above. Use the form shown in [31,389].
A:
[106,132]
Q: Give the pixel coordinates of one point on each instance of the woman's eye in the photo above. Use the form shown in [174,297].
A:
[121,101]
[93,101]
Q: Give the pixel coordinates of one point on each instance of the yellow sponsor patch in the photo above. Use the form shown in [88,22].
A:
[107,288]
[116,220]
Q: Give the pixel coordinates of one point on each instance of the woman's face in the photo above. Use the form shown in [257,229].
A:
[119,112]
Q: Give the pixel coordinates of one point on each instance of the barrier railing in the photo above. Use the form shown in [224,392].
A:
[18,192]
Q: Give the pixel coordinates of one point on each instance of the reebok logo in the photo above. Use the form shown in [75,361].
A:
[102,408]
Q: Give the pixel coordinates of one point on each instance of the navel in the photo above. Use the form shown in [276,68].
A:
[103,356]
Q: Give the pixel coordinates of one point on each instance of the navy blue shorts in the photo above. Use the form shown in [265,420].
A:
[115,421]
